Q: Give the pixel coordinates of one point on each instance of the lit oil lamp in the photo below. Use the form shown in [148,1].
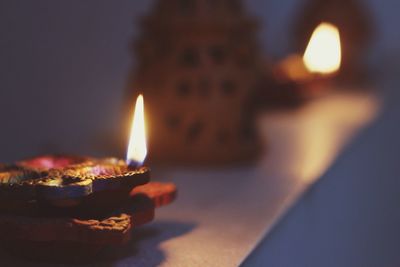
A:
[313,72]
[56,207]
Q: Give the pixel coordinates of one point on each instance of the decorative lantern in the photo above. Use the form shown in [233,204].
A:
[198,65]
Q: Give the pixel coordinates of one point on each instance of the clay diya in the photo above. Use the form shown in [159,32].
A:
[68,208]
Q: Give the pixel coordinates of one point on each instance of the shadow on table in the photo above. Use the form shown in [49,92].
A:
[144,249]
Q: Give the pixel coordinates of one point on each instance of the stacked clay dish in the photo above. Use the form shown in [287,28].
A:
[67,209]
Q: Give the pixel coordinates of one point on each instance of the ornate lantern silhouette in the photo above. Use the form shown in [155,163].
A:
[198,65]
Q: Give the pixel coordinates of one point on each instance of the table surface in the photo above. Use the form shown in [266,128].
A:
[222,214]
[351,216]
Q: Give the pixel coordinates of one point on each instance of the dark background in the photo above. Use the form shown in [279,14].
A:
[64,66]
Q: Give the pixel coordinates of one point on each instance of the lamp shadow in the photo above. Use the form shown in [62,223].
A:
[144,248]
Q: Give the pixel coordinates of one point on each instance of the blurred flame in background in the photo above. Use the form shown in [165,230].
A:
[137,148]
[323,53]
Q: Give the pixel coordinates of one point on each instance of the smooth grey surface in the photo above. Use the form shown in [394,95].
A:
[351,216]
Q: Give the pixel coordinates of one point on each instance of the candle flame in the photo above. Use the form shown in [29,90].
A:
[137,149]
[323,54]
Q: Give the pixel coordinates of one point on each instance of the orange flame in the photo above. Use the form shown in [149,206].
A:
[137,148]
[323,54]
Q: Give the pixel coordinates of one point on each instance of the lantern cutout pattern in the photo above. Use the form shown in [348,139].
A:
[198,65]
